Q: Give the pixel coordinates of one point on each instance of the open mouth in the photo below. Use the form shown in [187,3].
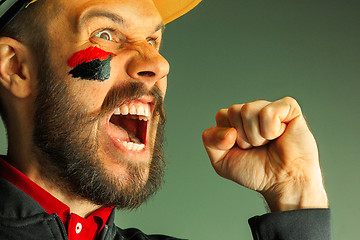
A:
[129,125]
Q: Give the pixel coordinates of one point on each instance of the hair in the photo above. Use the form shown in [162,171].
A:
[28,28]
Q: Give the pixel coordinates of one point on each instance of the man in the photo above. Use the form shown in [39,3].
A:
[82,88]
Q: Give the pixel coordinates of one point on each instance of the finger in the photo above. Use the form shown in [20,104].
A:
[218,141]
[250,118]
[235,119]
[222,119]
[275,117]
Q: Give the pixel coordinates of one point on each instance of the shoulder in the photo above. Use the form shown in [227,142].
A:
[113,232]
[136,234]
[15,203]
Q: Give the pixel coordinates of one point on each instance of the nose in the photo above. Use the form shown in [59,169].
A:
[147,65]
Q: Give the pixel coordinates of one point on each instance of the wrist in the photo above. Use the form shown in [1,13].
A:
[296,196]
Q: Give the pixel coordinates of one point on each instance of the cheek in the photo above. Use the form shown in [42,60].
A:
[91,64]
[95,70]
[162,84]
[89,95]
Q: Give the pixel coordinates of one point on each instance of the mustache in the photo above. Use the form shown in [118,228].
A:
[119,95]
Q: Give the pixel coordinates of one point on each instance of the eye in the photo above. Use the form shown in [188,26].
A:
[152,42]
[104,34]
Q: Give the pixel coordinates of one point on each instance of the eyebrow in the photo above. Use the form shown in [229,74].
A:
[160,26]
[113,17]
[98,13]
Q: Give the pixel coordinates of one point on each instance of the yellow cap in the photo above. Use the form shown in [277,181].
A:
[173,9]
[170,9]
[30,3]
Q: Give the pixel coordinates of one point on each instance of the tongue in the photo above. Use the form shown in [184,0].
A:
[119,133]
[124,129]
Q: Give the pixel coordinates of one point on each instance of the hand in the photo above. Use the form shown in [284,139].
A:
[268,147]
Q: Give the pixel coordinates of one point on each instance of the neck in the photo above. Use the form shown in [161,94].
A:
[77,205]
[28,164]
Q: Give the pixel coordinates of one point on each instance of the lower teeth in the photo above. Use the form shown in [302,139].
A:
[133,138]
[133,146]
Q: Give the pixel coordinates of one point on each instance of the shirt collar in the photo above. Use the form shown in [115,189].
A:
[49,202]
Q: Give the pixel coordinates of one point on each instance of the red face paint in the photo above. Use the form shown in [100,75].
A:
[88,55]
[92,63]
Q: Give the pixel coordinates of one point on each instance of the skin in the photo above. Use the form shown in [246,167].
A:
[268,147]
[136,56]
[261,145]
[88,65]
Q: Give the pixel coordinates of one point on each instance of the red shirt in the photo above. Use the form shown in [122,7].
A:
[78,228]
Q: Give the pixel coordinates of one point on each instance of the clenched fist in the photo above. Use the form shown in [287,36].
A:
[268,147]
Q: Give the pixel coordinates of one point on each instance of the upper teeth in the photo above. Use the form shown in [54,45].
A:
[141,110]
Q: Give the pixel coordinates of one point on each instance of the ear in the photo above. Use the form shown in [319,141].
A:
[15,67]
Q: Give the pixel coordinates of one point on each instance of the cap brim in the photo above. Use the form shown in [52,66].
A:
[173,9]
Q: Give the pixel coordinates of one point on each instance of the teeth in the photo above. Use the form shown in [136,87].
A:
[133,146]
[143,118]
[147,111]
[117,111]
[132,110]
[130,145]
[141,110]
[124,110]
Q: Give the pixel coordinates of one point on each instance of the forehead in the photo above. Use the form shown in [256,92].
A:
[131,13]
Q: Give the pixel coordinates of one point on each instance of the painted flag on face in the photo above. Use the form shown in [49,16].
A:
[92,63]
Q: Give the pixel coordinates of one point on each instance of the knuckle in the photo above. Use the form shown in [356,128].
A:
[256,139]
[268,133]
[266,112]
[206,135]
[243,144]
[233,110]
[221,113]
[267,117]
[293,103]
[290,100]
[257,143]
[246,111]
[261,101]
[206,132]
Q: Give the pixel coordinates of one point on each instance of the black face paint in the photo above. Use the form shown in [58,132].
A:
[95,70]
[91,64]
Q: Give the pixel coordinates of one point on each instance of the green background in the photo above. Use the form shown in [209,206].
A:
[235,51]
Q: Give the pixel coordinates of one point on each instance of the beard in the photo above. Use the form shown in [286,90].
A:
[67,147]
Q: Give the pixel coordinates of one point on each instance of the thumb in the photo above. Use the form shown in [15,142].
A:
[218,141]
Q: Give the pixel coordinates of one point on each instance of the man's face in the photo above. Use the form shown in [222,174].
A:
[100,115]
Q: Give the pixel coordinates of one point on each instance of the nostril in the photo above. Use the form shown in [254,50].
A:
[146,74]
